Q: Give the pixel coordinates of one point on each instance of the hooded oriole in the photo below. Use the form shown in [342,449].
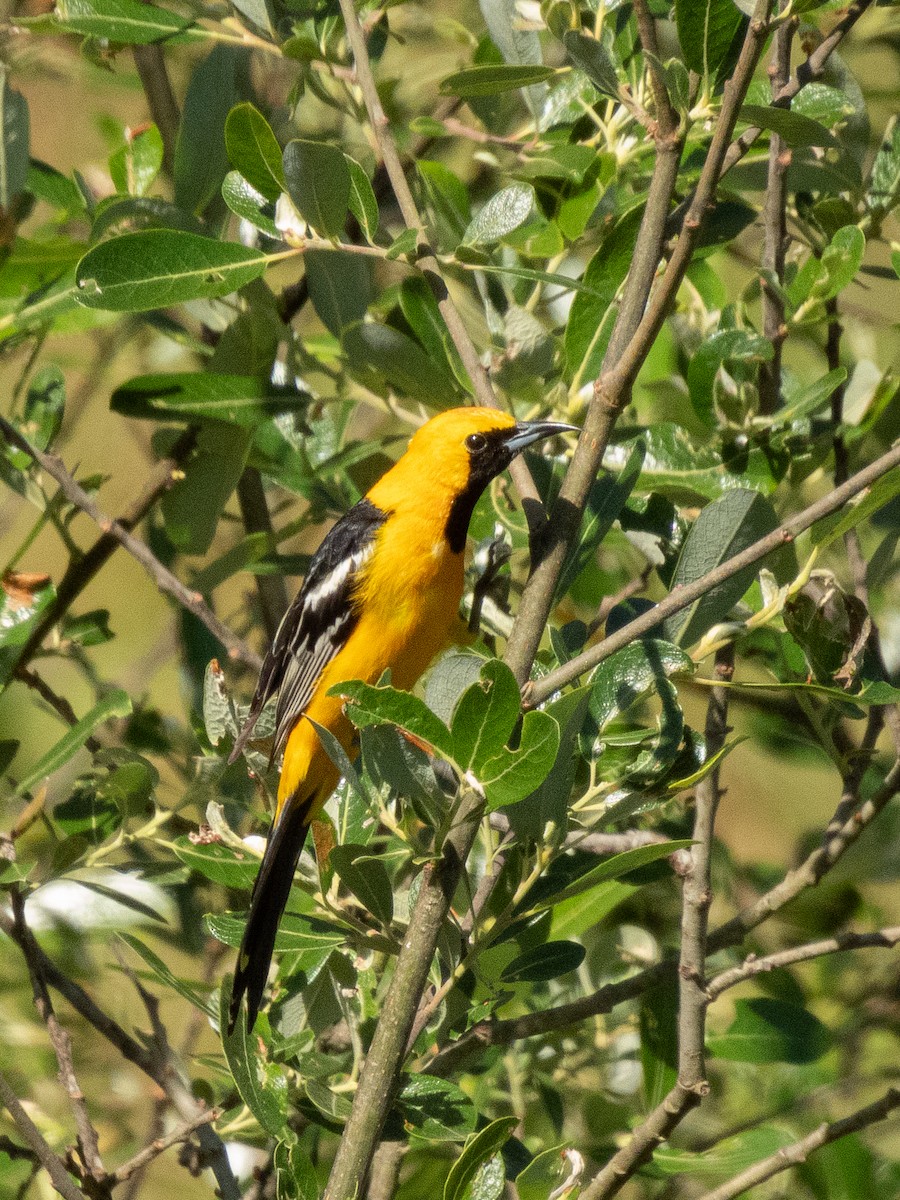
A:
[382,591]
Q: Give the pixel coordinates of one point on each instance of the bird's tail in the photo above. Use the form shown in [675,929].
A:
[267,903]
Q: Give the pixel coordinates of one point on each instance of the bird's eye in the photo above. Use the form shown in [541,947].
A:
[476,442]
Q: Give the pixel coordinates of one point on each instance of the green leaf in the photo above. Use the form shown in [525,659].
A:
[14,149]
[361,200]
[883,192]
[677,466]
[512,775]
[115,704]
[727,1158]
[384,351]
[435,1110]
[766,1030]
[722,349]
[612,869]
[485,716]
[630,674]
[295,1176]
[606,500]
[248,204]
[659,1042]
[202,396]
[479,1149]
[821,279]
[253,150]
[157,268]
[544,1175]
[318,181]
[832,527]
[367,705]
[810,399]
[504,212]
[128,22]
[724,529]
[493,79]
[87,814]
[366,877]
[201,161]
[191,992]
[591,319]
[544,962]
[192,506]
[340,287]
[448,199]
[421,310]
[135,166]
[44,405]
[54,188]
[222,864]
[793,128]
[295,933]
[706,31]
[260,1084]
[591,56]
[19,615]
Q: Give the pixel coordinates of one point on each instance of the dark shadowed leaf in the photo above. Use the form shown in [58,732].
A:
[254,151]
[366,877]
[205,397]
[766,1030]
[547,961]
[793,128]
[318,182]
[707,30]
[14,149]
[591,56]
[435,1110]
[260,1083]
[201,160]
[491,80]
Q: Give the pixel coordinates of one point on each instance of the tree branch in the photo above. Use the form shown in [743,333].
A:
[790,1156]
[775,226]
[681,597]
[163,1072]
[752,966]
[62,1046]
[691,1085]
[637,326]
[52,1163]
[383,1063]
[426,260]
[80,573]
[165,580]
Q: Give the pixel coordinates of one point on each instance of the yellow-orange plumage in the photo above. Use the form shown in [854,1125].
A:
[382,593]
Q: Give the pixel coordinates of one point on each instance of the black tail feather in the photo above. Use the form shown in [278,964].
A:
[267,903]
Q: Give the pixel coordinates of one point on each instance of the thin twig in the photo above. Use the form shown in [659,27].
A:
[639,320]
[79,573]
[164,1073]
[59,704]
[775,229]
[836,842]
[681,597]
[752,966]
[62,1045]
[51,1162]
[690,1086]
[381,1069]
[158,1145]
[426,260]
[798,1152]
[165,580]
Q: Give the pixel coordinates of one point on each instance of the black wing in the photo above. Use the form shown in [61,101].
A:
[316,625]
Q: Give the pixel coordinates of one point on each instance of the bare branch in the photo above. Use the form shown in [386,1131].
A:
[640,319]
[80,573]
[775,225]
[165,580]
[886,938]
[790,1156]
[426,260]
[62,1045]
[52,1163]
[59,704]
[381,1070]
[158,1145]
[681,597]
[691,1085]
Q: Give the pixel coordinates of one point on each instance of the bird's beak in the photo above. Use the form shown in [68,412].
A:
[528,432]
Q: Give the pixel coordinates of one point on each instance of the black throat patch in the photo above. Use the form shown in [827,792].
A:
[484,464]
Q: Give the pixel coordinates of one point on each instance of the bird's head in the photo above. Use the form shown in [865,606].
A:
[456,454]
